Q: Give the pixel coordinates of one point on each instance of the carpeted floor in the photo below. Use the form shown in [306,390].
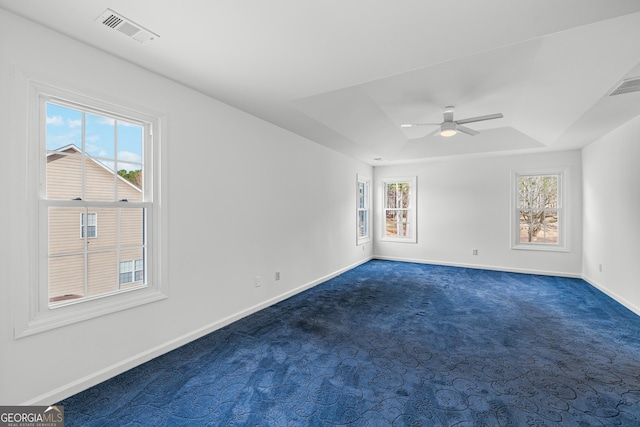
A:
[392,343]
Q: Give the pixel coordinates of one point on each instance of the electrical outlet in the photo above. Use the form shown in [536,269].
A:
[258,280]
[474,252]
[277,275]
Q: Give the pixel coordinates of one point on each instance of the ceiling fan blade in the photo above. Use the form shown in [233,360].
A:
[412,125]
[466,130]
[480,118]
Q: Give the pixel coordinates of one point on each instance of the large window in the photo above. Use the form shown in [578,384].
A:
[538,211]
[399,199]
[97,168]
[363,209]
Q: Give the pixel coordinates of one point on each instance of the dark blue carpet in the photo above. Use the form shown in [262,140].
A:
[392,343]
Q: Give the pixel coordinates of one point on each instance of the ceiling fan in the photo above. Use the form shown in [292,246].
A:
[450,127]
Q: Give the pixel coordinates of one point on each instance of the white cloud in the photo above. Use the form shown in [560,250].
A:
[74,123]
[128,156]
[106,121]
[55,120]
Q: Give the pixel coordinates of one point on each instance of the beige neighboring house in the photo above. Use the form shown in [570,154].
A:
[114,260]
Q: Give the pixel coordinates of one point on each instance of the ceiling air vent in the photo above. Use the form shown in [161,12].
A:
[627,86]
[126,26]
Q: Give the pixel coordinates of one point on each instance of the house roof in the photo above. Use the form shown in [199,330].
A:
[53,155]
[346,74]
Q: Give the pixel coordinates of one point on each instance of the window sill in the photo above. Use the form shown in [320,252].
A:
[539,247]
[399,239]
[55,317]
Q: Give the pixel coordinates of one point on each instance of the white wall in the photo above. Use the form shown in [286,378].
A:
[464,203]
[611,183]
[288,204]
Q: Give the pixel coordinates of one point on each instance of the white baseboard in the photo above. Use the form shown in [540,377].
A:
[111,371]
[124,365]
[482,267]
[612,294]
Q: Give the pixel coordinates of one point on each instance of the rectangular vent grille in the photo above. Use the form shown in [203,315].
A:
[627,86]
[125,26]
[112,21]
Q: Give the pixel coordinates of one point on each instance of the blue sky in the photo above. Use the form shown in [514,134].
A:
[64,127]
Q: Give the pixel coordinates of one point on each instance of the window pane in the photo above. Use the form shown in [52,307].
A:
[391,225]
[130,138]
[65,231]
[106,221]
[132,227]
[391,195]
[132,267]
[130,181]
[361,195]
[63,127]
[403,218]
[525,229]
[101,272]
[66,277]
[403,195]
[363,226]
[64,174]
[551,227]
[100,137]
[537,226]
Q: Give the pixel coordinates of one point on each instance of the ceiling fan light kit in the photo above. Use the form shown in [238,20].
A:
[448,129]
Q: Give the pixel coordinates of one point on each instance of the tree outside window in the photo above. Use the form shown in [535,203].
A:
[538,209]
[399,209]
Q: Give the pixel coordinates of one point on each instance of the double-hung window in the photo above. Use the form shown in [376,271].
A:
[88,154]
[399,209]
[363,209]
[538,211]
[97,167]
[91,226]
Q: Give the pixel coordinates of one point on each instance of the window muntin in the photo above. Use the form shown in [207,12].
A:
[399,209]
[363,210]
[538,211]
[94,167]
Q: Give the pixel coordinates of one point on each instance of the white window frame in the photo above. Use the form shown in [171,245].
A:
[134,269]
[366,181]
[82,225]
[562,210]
[33,313]
[412,237]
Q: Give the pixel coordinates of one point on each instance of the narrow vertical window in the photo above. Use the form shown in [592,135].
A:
[538,211]
[363,209]
[399,198]
[91,225]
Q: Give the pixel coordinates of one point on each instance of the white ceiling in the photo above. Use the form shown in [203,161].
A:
[347,73]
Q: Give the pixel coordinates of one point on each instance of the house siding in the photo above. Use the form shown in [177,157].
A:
[66,244]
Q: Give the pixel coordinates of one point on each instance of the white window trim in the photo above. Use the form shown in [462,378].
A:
[82,225]
[367,181]
[132,271]
[563,211]
[412,210]
[32,313]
